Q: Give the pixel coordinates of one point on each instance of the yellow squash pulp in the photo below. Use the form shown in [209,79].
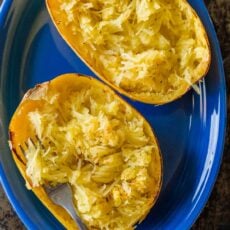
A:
[93,140]
[149,50]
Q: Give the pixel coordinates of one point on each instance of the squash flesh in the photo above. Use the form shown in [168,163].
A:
[95,142]
[152,51]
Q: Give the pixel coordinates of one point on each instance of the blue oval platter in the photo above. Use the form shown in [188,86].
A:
[190,130]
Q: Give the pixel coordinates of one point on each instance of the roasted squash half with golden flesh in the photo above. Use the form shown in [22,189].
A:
[93,140]
[149,50]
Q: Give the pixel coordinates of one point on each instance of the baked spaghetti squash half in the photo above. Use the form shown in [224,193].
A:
[93,140]
[152,51]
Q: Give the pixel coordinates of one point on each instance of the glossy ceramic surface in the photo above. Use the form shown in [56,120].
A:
[190,130]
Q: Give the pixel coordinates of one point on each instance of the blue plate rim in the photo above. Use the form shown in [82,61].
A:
[4,10]
[222,135]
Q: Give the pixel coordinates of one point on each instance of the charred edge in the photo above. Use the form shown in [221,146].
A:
[30,91]
[14,151]
[11,135]
[17,155]
[29,181]
[84,75]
